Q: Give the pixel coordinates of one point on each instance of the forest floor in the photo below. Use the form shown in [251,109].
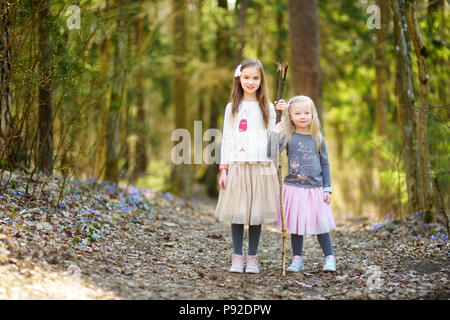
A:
[107,242]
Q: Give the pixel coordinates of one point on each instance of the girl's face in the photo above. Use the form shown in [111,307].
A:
[301,114]
[250,80]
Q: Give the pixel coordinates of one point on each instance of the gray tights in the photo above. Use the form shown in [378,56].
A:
[324,241]
[237,235]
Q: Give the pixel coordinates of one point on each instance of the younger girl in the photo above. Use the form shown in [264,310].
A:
[307,186]
[249,188]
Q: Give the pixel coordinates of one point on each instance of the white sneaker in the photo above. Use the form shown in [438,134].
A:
[330,264]
[252,264]
[296,265]
[237,263]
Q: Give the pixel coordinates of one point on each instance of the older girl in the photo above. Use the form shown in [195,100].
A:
[248,182]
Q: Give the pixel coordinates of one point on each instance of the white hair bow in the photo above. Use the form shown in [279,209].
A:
[237,72]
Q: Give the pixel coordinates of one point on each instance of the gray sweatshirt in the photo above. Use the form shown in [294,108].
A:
[307,167]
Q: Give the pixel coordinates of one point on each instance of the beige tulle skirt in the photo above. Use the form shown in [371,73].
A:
[251,195]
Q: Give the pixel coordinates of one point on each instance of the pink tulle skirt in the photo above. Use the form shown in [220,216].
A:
[305,211]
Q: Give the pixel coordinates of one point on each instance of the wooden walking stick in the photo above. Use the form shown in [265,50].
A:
[282,68]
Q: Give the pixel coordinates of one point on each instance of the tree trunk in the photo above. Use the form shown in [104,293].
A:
[339,134]
[434,5]
[305,50]
[202,52]
[242,18]
[424,169]
[181,174]
[8,142]
[141,120]
[405,101]
[259,30]
[365,188]
[45,144]
[115,102]
[203,96]
[102,107]
[220,92]
[381,68]
[382,98]
[280,51]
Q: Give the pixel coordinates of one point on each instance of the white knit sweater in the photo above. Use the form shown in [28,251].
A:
[245,137]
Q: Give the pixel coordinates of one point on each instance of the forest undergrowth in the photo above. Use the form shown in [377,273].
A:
[109,241]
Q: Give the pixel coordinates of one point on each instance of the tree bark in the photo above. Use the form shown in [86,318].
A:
[101,106]
[405,101]
[280,51]
[202,52]
[305,50]
[434,5]
[381,68]
[242,19]
[45,142]
[181,174]
[220,91]
[115,102]
[141,120]
[424,168]
[382,98]
[8,142]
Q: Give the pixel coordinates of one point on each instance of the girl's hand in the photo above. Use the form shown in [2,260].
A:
[278,128]
[327,197]
[223,179]
[281,105]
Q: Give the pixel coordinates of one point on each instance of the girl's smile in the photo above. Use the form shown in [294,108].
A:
[250,81]
[300,113]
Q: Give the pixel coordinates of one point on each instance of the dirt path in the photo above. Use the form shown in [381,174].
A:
[180,251]
[187,257]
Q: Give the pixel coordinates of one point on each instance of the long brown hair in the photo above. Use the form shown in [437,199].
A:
[261,94]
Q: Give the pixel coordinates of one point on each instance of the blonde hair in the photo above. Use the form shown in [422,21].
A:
[315,126]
